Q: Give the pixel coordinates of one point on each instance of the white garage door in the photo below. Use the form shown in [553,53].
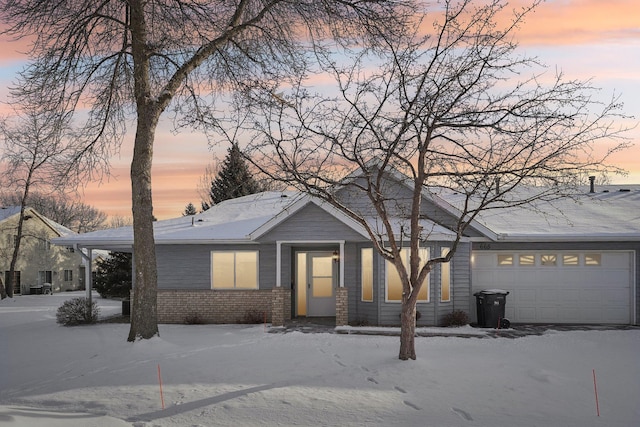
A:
[559,287]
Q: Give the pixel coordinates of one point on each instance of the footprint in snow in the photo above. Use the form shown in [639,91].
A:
[463,414]
[412,405]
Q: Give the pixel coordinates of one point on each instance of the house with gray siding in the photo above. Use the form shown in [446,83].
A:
[281,255]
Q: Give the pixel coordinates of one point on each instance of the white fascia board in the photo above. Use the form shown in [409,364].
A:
[617,237]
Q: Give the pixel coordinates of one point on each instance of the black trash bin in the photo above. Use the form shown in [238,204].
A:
[490,306]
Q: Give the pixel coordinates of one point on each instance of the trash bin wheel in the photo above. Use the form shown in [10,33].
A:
[505,324]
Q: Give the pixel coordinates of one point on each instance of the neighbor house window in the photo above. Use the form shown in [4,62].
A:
[548,259]
[527,259]
[445,277]
[45,276]
[394,284]
[44,245]
[592,259]
[234,269]
[570,259]
[68,275]
[366,274]
[506,259]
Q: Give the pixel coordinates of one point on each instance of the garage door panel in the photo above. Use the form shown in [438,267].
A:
[561,293]
[590,297]
[616,260]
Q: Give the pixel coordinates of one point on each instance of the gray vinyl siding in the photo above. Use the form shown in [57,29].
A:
[431,312]
[189,266]
[397,199]
[311,223]
[575,246]
[362,312]
[398,203]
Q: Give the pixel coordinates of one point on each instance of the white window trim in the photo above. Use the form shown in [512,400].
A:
[234,252]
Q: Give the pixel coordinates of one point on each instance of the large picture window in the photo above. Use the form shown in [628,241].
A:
[394,284]
[234,269]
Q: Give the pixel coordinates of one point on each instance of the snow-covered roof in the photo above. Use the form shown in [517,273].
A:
[9,211]
[608,214]
[612,213]
[230,221]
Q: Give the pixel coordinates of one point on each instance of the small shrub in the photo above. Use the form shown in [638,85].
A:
[75,312]
[253,317]
[193,319]
[455,318]
[359,322]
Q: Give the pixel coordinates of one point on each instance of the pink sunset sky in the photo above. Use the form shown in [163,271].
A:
[586,39]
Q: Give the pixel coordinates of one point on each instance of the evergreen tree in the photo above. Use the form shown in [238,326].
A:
[233,180]
[113,276]
[189,210]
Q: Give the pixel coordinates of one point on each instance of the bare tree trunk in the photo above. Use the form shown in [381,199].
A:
[407,330]
[16,249]
[144,316]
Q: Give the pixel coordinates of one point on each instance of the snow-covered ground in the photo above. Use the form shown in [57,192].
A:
[239,375]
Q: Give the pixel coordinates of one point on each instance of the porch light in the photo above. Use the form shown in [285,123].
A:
[336,256]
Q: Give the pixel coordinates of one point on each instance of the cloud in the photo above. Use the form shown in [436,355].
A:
[573,22]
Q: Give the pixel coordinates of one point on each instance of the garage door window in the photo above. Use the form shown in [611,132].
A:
[505,259]
[570,259]
[592,259]
[527,260]
[548,259]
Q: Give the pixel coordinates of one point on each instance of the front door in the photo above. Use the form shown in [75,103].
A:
[316,284]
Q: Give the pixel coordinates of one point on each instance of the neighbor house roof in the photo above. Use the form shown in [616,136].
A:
[9,211]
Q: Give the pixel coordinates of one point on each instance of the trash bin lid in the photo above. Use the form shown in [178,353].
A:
[494,292]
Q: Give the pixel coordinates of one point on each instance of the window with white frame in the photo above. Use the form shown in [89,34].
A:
[366,274]
[68,275]
[445,277]
[234,269]
[393,282]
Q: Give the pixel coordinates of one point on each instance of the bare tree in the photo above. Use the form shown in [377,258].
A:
[119,221]
[455,110]
[144,57]
[34,155]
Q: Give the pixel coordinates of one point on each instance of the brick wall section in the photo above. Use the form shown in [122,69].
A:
[342,307]
[281,308]
[209,306]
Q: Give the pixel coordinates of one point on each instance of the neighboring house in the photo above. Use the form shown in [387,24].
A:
[282,255]
[38,262]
